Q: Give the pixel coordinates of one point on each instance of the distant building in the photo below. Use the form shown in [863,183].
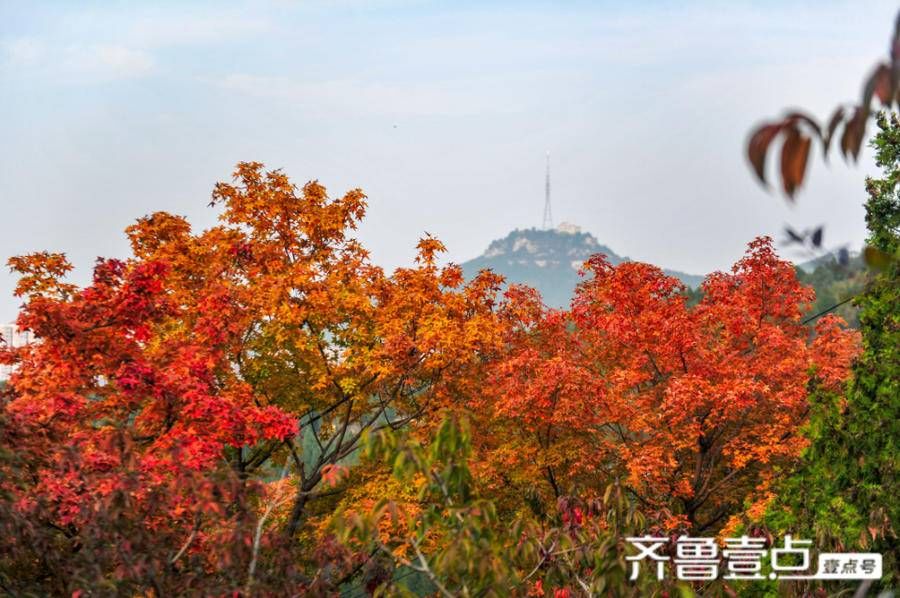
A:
[14,337]
[569,228]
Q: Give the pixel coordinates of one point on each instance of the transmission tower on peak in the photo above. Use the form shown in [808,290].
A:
[548,213]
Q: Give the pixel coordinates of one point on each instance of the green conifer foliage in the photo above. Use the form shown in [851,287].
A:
[846,494]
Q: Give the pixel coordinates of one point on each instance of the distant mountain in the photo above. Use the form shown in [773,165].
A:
[549,260]
[842,256]
[835,278]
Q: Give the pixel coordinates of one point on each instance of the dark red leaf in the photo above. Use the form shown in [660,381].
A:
[794,154]
[878,84]
[759,145]
[795,117]
[833,123]
[895,60]
[884,88]
[854,132]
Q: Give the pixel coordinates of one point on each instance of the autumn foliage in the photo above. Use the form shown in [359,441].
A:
[192,420]
[694,407]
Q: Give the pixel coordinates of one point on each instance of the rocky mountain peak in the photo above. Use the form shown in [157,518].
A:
[548,259]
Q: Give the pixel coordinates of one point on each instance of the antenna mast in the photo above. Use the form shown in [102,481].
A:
[548,214]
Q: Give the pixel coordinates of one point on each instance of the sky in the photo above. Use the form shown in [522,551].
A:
[442,112]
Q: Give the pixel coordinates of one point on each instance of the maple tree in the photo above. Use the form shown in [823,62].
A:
[456,543]
[219,412]
[265,344]
[114,431]
[693,408]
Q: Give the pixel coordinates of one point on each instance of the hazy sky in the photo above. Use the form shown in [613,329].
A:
[441,112]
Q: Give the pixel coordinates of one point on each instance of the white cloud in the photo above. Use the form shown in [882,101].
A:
[102,45]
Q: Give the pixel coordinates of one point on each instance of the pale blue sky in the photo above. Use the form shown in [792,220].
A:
[112,110]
